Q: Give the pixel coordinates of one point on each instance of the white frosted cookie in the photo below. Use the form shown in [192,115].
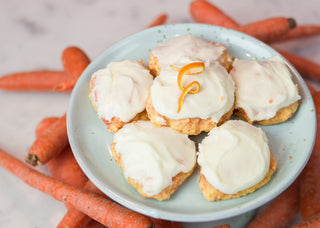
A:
[119,92]
[211,106]
[265,92]
[185,49]
[234,161]
[154,160]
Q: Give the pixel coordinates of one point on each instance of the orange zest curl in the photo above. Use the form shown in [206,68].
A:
[188,90]
[189,69]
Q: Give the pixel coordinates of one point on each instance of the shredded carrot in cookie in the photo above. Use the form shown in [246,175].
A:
[188,90]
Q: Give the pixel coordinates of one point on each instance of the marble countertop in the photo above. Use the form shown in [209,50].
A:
[33,35]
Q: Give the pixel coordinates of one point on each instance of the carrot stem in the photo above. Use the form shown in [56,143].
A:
[269,29]
[49,144]
[302,31]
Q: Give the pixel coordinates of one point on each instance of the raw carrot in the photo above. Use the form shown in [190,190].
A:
[310,176]
[66,85]
[311,89]
[74,61]
[160,20]
[305,67]
[313,222]
[301,31]
[65,168]
[45,80]
[94,224]
[281,211]
[75,218]
[269,29]
[205,12]
[223,226]
[161,223]
[49,144]
[44,124]
[98,207]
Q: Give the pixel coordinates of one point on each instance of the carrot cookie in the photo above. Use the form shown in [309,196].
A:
[186,49]
[234,160]
[265,92]
[154,160]
[119,93]
[208,103]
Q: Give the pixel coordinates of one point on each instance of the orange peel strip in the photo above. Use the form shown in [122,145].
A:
[188,90]
[189,69]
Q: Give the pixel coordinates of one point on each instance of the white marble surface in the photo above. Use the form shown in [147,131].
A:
[33,35]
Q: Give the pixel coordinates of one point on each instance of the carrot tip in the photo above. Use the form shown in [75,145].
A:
[292,23]
[33,160]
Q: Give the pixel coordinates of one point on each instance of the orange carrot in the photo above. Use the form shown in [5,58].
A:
[75,218]
[305,67]
[203,11]
[269,29]
[311,89]
[301,31]
[45,80]
[223,226]
[44,124]
[48,144]
[65,168]
[160,223]
[281,211]
[66,85]
[74,61]
[310,176]
[160,20]
[98,207]
[313,222]
[94,224]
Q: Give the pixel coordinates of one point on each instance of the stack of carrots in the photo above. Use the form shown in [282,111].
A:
[68,183]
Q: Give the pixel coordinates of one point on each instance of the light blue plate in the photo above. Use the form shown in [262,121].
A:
[291,142]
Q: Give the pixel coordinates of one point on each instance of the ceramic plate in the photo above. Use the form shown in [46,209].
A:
[291,142]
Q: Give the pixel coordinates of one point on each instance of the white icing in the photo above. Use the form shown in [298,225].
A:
[262,88]
[215,98]
[186,49]
[121,90]
[234,156]
[151,156]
